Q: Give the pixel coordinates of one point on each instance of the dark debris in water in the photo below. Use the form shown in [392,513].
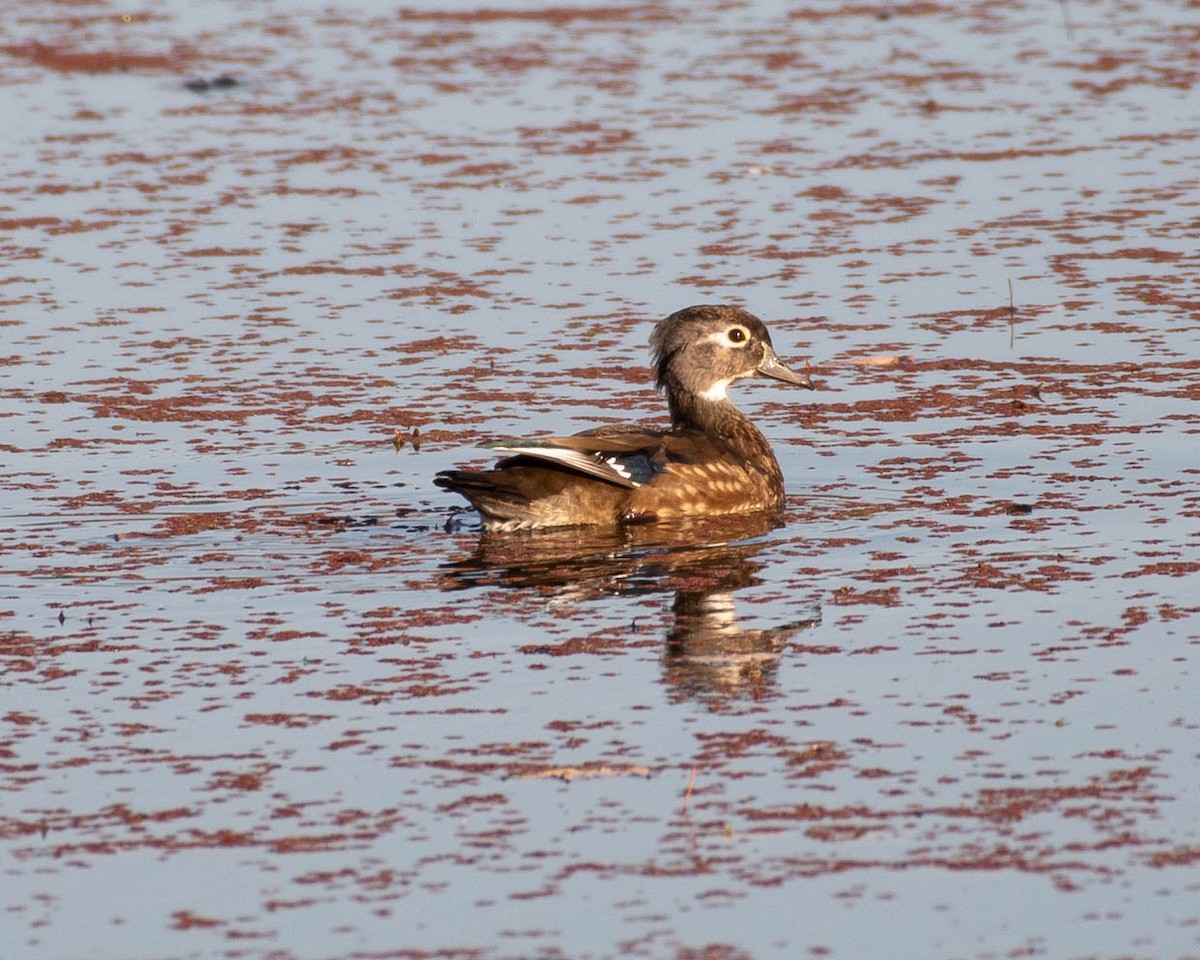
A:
[207,85]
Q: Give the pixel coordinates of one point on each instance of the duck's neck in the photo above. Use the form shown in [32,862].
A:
[717,417]
[722,422]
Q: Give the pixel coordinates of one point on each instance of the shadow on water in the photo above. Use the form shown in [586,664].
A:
[708,654]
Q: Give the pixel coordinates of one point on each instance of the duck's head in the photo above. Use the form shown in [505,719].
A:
[700,351]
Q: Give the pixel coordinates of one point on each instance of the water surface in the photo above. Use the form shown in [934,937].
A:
[268,692]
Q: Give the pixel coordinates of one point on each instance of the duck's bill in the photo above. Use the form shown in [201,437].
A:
[771,367]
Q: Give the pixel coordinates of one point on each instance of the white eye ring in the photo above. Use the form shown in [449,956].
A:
[737,336]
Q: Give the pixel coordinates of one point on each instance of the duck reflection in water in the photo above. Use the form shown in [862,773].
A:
[708,655]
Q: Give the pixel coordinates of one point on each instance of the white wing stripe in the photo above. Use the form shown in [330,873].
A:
[607,470]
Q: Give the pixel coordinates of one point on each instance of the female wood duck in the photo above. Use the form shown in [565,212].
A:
[712,461]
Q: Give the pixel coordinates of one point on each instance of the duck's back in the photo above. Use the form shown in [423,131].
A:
[622,474]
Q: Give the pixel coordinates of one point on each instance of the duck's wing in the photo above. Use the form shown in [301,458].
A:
[625,456]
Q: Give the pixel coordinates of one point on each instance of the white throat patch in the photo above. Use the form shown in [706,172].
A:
[717,391]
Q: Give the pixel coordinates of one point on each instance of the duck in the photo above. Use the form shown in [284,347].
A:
[712,461]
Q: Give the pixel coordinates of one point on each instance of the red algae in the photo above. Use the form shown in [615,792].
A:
[100,61]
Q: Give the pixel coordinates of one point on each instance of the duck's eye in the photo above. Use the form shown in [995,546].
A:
[737,335]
